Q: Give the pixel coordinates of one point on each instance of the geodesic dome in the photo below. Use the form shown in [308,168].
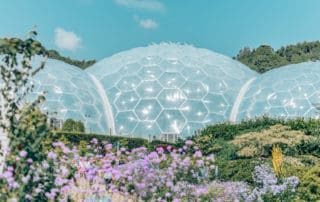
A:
[290,91]
[169,89]
[70,93]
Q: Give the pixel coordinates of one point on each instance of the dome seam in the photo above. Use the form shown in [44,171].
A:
[235,109]
[107,105]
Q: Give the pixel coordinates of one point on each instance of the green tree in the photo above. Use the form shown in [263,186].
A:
[23,123]
[265,58]
[68,125]
[79,126]
[71,125]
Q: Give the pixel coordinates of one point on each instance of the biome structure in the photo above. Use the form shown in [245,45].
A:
[173,89]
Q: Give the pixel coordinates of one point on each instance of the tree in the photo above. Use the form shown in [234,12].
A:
[15,73]
[68,125]
[24,125]
[79,126]
[71,125]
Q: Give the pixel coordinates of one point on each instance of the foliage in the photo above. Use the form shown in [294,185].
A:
[71,125]
[236,170]
[75,137]
[82,147]
[265,58]
[228,131]
[24,124]
[16,44]
[53,54]
[309,147]
[260,143]
[218,138]
[310,184]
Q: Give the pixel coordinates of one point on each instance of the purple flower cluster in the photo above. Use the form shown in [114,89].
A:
[268,183]
[181,174]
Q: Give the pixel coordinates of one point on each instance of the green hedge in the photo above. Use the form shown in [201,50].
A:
[76,137]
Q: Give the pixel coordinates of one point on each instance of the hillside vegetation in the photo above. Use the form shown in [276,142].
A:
[265,58]
[52,54]
[240,147]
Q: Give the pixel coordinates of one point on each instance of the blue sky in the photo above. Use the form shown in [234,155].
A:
[87,29]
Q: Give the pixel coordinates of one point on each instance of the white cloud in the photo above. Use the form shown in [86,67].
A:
[152,5]
[148,23]
[66,40]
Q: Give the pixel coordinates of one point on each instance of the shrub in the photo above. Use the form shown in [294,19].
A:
[260,143]
[236,170]
[309,187]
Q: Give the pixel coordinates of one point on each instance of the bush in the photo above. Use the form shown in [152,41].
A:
[260,143]
[309,188]
[236,170]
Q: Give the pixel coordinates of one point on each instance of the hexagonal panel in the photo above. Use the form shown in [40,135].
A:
[278,98]
[128,83]
[258,108]
[147,129]
[78,82]
[302,91]
[150,72]
[171,80]
[284,85]
[46,79]
[194,90]
[191,128]
[148,109]
[297,107]
[315,98]
[194,110]
[90,111]
[171,98]
[216,103]
[172,65]
[171,121]
[70,101]
[150,61]
[149,89]
[215,86]
[194,74]
[125,122]
[127,101]
[111,80]
[277,112]
[214,71]
[213,118]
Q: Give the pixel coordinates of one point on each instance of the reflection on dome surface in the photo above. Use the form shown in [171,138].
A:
[169,88]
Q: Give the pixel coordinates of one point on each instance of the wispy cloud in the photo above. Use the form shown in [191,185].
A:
[146,23]
[66,40]
[152,5]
